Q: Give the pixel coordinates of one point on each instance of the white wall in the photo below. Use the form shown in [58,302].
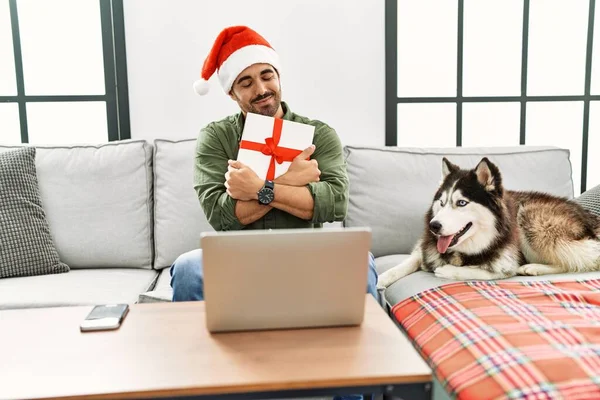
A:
[332,54]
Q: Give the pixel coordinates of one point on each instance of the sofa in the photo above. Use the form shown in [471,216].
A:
[120,213]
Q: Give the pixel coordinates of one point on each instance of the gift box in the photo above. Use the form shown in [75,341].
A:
[269,145]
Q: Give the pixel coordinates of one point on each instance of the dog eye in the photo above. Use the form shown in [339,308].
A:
[441,203]
[461,203]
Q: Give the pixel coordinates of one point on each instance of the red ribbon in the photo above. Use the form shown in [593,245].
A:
[270,148]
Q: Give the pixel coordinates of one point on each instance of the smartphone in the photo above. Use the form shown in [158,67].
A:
[104,317]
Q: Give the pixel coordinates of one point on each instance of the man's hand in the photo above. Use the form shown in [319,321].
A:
[301,171]
[241,181]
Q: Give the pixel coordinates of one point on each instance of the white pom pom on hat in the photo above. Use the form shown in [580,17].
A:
[201,87]
[235,49]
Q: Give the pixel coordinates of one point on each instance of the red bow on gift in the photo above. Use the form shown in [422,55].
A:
[270,148]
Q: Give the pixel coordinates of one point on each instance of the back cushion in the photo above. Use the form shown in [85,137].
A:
[97,201]
[391,188]
[178,217]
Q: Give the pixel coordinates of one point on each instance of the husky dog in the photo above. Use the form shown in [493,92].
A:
[476,230]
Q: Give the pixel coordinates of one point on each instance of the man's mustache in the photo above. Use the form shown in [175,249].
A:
[263,96]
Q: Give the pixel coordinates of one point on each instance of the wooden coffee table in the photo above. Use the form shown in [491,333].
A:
[164,350]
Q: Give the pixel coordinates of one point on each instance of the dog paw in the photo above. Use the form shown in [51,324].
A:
[536,270]
[383,281]
[525,270]
[448,272]
[386,279]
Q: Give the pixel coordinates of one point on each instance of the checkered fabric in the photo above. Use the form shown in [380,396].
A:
[26,246]
[509,340]
[590,199]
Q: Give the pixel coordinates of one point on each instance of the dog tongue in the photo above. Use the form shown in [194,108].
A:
[443,243]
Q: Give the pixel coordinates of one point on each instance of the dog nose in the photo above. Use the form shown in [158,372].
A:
[435,226]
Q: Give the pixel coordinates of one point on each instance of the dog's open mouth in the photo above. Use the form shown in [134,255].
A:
[444,242]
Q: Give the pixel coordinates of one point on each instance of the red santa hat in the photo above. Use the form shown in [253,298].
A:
[235,49]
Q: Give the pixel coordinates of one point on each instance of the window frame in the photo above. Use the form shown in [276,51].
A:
[115,73]
[391,79]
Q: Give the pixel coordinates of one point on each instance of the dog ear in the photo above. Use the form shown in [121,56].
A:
[488,175]
[448,168]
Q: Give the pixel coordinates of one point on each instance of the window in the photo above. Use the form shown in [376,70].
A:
[63,69]
[495,73]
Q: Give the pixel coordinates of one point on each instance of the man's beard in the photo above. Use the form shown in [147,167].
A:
[269,109]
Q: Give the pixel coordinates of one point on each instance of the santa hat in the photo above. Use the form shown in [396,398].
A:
[235,49]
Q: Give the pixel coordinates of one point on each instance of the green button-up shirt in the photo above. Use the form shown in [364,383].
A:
[220,141]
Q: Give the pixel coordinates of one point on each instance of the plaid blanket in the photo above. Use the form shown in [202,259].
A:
[509,340]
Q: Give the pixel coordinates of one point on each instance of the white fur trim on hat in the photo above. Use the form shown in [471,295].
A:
[242,59]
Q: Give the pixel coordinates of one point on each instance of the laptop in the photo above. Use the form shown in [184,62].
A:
[285,278]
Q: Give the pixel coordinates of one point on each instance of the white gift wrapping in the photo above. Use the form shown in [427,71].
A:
[260,150]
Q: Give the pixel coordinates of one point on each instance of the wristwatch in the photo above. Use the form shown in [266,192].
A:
[267,193]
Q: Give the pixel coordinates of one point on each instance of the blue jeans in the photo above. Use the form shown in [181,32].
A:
[187,277]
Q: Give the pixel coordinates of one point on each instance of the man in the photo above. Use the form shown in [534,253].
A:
[232,196]
[309,194]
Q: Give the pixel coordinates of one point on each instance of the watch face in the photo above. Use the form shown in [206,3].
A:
[265,196]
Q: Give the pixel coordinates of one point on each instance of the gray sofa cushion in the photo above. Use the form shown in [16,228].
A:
[391,188]
[98,198]
[98,202]
[386,262]
[26,245]
[178,217]
[77,287]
